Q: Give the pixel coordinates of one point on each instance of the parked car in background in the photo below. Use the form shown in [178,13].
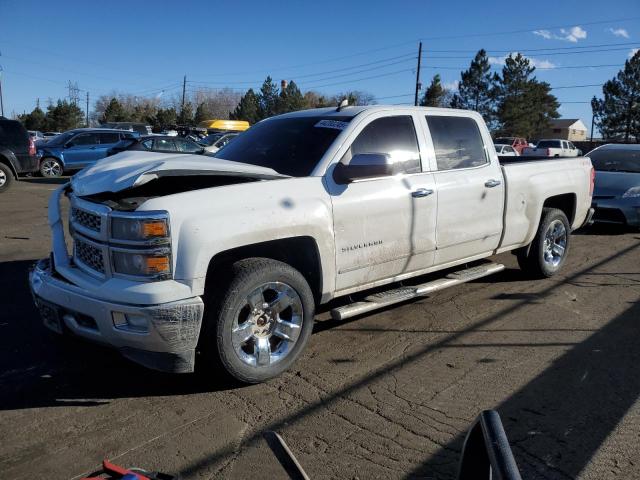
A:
[50,135]
[77,149]
[616,196]
[518,143]
[17,152]
[139,128]
[505,150]
[229,257]
[157,143]
[36,135]
[216,141]
[553,148]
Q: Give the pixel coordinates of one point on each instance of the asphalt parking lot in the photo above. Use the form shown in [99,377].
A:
[387,395]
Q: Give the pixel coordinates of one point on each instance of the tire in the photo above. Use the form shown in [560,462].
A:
[51,167]
[260,323]
[548,251]
[6,178]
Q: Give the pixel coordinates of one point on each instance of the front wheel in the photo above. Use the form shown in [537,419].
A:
[51,168]
[548,251]
[6,177]
[262,321]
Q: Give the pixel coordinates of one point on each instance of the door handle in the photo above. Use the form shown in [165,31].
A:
[492,183]
[421,192]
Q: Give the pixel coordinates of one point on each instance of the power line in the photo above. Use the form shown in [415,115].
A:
[546,54]
[363,78]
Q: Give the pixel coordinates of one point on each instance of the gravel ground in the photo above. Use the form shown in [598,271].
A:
[387,395]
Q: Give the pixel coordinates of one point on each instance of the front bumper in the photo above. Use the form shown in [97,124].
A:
[166,341]
[617,210]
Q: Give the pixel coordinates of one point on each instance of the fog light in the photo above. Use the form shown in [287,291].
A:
[130,322]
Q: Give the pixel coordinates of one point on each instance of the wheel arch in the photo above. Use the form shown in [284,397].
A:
[301,253]
[565,202]
[5,159]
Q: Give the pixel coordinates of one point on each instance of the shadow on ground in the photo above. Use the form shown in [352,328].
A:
[40,369]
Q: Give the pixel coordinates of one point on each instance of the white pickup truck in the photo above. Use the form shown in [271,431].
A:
[224,260]
[552,148]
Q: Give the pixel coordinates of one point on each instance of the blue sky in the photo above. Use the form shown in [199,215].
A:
[331,46]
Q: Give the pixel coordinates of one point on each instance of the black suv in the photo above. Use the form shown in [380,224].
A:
[17,152]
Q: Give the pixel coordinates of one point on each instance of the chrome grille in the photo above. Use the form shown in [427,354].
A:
[88,220]
[89,255]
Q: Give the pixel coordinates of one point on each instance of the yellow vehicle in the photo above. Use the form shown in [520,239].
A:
[218,125]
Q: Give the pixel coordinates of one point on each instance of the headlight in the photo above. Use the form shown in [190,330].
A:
[632,192]
[143,263]
[149,227]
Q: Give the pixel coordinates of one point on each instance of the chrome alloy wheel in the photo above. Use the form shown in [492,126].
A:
[555,243]
[50,168]
[268,325]
[3,178]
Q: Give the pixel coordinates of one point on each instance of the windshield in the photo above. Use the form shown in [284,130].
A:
[548,144]
[61,139]
[604,160]
[290,146]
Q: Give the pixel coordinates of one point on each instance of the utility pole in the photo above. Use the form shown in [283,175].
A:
[87,109]
[418,86]
[184,89]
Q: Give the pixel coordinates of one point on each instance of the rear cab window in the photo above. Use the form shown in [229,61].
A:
[457,142]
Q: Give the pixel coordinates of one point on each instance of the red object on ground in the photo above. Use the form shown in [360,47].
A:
[116,471]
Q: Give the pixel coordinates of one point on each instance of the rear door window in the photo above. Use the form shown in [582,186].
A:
[108,138]
[394,136]
[164,144]
[84,139]
[457,142]
[187,146]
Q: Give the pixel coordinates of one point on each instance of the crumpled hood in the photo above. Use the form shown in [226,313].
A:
[133,168]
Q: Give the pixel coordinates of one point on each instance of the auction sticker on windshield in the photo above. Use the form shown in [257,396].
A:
[332,124]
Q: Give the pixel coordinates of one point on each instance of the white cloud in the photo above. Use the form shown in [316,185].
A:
[453,86]
[633,52]
[619,32]
[536,62]
[544,34]
[573,35]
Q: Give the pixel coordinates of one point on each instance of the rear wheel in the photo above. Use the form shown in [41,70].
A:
[548,251]
[261,323]
[6,177]
[50,167]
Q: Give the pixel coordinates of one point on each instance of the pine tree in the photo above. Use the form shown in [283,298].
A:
[290,99]
[267,99]
[617,115]
[36,120]
[64,116]
[247,109]
[114,112]
[436,95]
[202,113]
[476,90]
[525,106]
[164,118]
[186,115]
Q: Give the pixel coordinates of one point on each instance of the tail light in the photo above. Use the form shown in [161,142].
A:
[592,181]
[32,146]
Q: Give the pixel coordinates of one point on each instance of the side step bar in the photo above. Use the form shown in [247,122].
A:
[397,295]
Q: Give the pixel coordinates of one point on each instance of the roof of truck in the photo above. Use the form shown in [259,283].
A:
[352,111]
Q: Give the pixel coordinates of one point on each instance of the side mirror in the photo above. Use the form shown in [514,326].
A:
[364,165]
